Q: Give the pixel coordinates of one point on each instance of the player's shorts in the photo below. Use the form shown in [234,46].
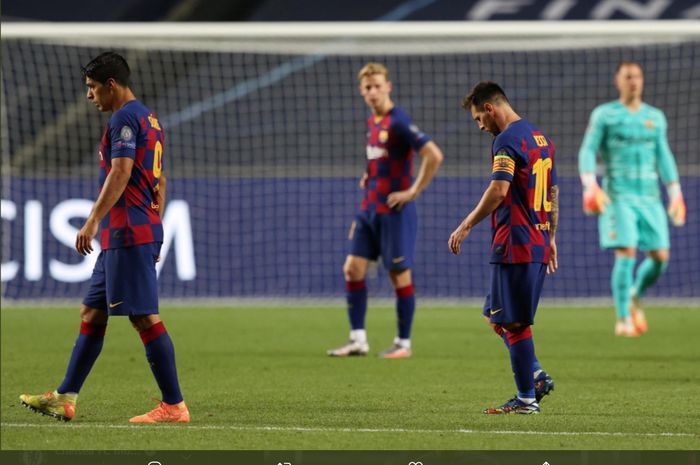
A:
[625,224]
[391,235]
[515,292]
[124,282]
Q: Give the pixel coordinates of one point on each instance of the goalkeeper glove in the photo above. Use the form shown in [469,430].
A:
[594,198]
[676,204]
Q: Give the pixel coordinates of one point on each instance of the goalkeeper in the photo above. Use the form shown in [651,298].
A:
[631,138]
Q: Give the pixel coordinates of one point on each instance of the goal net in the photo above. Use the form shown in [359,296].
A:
[265,143]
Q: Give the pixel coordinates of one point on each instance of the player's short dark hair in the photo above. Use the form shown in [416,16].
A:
[628,63]
[484,92]
[108,65]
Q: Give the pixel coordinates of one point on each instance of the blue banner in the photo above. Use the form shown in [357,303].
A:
[287,237]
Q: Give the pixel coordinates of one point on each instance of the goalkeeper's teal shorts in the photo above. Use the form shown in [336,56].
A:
[626,224]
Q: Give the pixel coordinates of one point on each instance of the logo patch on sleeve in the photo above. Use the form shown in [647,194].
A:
[126,133]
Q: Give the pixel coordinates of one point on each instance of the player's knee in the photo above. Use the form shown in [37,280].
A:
[518,333]
[143,322]
[93,315]
[498,329]
[352,271]
[512,326]
[660,256]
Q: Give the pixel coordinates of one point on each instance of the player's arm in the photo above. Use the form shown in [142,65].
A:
[161,193]
[669,175]
[490,200]
[363,180]
[112,190]
[594,198]
[432,158]
[553,224]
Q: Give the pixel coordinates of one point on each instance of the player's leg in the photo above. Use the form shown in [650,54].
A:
[61,402]
[132,290]
[86,349]
[654,240]
[515,294]
[405,309]
[649,271]
[362,249]
[398,243]
[354,270]
[621,283]
[618,231]
[160,353]
[544,384]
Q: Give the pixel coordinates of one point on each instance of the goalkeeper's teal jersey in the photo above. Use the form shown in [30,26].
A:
[634,149]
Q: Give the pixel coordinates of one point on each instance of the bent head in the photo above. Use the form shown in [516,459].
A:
[107,79]
[488,105]
[629,80]
[375,87]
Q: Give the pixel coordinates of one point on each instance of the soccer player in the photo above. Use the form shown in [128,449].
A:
[523,200]
[386,225]
[631,138]
[129,210]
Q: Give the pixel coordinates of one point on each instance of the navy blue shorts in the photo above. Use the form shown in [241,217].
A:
[391,235]
[515,292]
[124,282]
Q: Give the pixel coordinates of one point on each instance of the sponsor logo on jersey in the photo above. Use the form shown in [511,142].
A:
[374,152]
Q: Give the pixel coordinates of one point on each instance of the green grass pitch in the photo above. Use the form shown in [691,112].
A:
[258,378]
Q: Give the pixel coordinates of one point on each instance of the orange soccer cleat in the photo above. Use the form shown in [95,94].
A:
[165,413]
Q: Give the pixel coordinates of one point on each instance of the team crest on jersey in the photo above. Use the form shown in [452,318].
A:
[383,136]
[126,133]
[649,124]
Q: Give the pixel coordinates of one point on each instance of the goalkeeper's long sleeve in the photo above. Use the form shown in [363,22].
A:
[591,143]
[665,161]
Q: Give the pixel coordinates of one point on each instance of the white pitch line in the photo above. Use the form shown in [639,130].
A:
[347,430]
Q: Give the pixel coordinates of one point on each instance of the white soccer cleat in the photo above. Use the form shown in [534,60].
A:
[352,348]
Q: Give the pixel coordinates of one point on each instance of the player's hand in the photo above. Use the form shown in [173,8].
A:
[553,262]
[363,181]
[400,198]
[83,241]
[594,200]
[457,237]
[676,210]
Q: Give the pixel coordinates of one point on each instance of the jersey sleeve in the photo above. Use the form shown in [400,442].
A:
[664,157]
[591,142]
[123,131]
[411,133]
[503,163]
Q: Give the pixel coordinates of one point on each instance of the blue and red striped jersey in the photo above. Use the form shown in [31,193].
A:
[392,141]
[133,131]
[523,156]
